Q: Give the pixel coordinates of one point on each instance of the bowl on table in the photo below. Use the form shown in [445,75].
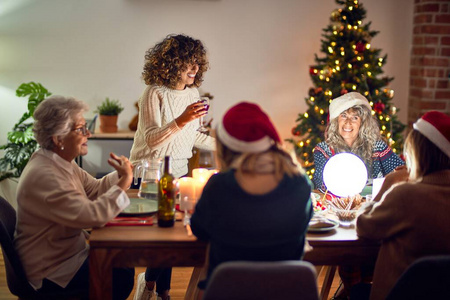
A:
[346,208]
[345,216]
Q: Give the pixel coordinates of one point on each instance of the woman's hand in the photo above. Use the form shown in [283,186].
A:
[192,112]
[400,174]
[123,168]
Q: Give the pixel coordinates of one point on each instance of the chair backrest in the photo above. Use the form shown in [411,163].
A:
[426,278]
[241,280]
[15,275]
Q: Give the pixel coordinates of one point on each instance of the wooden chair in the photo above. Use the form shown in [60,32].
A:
[263,280]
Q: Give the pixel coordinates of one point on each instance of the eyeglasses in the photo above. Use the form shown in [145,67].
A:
[84,130]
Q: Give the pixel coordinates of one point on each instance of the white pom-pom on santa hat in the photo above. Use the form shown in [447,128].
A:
[436,127]
[346,101]
[246,128]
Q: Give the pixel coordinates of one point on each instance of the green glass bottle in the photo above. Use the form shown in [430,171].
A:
[166,197]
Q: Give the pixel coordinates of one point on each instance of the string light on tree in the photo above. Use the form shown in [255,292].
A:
[349,63]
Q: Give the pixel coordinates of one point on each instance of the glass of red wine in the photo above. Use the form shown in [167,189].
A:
[205,101]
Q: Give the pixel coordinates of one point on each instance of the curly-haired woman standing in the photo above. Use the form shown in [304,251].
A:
[168,121]
[169,108]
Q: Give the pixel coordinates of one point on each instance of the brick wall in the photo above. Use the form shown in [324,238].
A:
[429,87]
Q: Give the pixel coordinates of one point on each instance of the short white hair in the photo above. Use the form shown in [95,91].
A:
[55,116]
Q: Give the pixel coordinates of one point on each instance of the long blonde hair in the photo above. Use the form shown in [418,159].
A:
[368,135]
[248,163]
[423,157]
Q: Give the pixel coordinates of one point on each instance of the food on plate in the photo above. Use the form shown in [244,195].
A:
[317,204]
[319,207]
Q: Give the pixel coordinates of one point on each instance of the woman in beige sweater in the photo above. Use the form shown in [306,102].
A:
[169,113]
[57,200]
[410,213]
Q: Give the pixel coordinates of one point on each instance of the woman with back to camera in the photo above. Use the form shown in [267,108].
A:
[57,200]
[169,112]
[352,128]
[410,213]
[258,207]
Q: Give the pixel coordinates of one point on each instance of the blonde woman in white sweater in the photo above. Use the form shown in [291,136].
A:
[169,112]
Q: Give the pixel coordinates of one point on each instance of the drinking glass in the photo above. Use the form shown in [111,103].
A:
[187,205]
[205,101]
[150,172]
[206,159]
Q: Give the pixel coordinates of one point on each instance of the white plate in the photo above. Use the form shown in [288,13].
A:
[140,207]
[332,225]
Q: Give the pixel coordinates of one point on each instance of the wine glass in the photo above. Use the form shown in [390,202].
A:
[187,205]
[205,101]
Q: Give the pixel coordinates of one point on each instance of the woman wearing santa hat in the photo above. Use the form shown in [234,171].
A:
[352,128]
[258,207]
[410,213]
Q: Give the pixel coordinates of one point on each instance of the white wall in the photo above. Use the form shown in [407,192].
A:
[259,50]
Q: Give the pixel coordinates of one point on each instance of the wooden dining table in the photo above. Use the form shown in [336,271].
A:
[153,246]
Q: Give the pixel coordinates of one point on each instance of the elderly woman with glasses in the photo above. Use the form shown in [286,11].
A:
[57,200]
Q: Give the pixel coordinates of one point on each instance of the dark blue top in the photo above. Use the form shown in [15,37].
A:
[384,161]
[241,226]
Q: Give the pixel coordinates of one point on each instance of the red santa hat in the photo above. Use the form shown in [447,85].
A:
[246,128]
[346,101]
[436,127]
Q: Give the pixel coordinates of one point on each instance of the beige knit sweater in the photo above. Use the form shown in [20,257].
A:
[56,200]
[158,135]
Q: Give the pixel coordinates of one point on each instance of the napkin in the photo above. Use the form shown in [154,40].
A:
[131,221]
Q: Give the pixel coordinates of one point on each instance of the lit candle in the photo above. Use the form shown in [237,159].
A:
[202,176]
[187,187]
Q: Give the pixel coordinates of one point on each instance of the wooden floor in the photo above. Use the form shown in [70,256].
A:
[180,280]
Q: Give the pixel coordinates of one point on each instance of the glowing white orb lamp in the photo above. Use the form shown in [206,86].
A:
[345,175]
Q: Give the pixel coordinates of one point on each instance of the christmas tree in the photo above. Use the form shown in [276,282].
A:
[349,64]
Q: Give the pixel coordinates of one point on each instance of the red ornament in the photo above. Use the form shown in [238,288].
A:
[295,131]
[313,71]
[318,90]
[379,107]
[360,47]
[344,91]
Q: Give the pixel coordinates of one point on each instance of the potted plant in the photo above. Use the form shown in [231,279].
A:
[20,140]
[109,111]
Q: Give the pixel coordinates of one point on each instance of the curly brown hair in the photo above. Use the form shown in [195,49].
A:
[167,59]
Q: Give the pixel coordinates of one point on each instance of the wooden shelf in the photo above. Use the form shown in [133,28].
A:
[120,135]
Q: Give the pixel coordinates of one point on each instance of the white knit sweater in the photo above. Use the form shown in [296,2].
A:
[158,135]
